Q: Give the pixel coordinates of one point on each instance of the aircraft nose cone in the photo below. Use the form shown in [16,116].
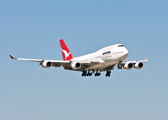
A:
[126,52]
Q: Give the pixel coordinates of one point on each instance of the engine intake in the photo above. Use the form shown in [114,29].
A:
[128,66]
[138,65]
[46,64]
[75,65]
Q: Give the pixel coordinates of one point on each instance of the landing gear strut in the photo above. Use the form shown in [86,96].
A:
[108,72]
[119,66]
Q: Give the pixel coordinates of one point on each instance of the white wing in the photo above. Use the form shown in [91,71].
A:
[55,63]
[58,63]
[133,62]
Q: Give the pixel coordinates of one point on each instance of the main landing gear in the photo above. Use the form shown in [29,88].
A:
[108,72]
[85,73]
[97,73]
[88,73]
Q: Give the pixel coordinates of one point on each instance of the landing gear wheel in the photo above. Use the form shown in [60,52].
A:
[84,73]
[108,72]
[89,73]
[97,73]
[107,75]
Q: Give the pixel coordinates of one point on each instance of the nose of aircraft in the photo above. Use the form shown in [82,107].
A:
[126,52]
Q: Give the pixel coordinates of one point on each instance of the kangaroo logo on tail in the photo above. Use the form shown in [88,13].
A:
[66,54]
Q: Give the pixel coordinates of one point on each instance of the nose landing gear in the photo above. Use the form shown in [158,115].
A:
[119,66]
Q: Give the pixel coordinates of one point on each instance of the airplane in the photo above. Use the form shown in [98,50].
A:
[104,59]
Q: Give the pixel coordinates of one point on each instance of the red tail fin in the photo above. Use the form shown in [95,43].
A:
[66,54]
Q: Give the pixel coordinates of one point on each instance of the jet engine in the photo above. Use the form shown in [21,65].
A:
[75,65]
[138,65]
[46,64]
[128,66]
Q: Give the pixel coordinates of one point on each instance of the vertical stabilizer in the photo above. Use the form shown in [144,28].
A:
[66,54]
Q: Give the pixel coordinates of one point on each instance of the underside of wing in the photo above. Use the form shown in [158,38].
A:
[128,65]
[133,62]
[89,65]
[45,63]
[71,65]
[58,63]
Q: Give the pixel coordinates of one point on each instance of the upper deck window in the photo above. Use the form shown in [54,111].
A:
[106,52]
[120,45]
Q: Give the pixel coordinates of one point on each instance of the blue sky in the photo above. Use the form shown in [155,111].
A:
[32,29]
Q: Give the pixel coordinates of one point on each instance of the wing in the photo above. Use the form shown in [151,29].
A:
[58,63]
[134,62]
[33,60]
[54,63]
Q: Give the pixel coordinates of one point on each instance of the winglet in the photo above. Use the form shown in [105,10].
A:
[11,57]
[146,59]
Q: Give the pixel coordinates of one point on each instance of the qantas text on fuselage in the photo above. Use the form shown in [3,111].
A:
[104,59]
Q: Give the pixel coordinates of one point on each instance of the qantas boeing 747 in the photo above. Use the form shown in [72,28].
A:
[104,59]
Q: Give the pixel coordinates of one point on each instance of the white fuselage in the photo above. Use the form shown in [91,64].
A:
[109,56]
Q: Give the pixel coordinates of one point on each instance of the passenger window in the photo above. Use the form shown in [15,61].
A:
[106,52]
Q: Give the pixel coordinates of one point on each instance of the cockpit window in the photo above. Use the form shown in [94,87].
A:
[120,45]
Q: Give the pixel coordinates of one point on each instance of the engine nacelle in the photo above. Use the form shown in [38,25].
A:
[75,65]
[138,65]
[128,66]
[46,64]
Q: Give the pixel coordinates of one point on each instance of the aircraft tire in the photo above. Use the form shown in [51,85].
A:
[107,75]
